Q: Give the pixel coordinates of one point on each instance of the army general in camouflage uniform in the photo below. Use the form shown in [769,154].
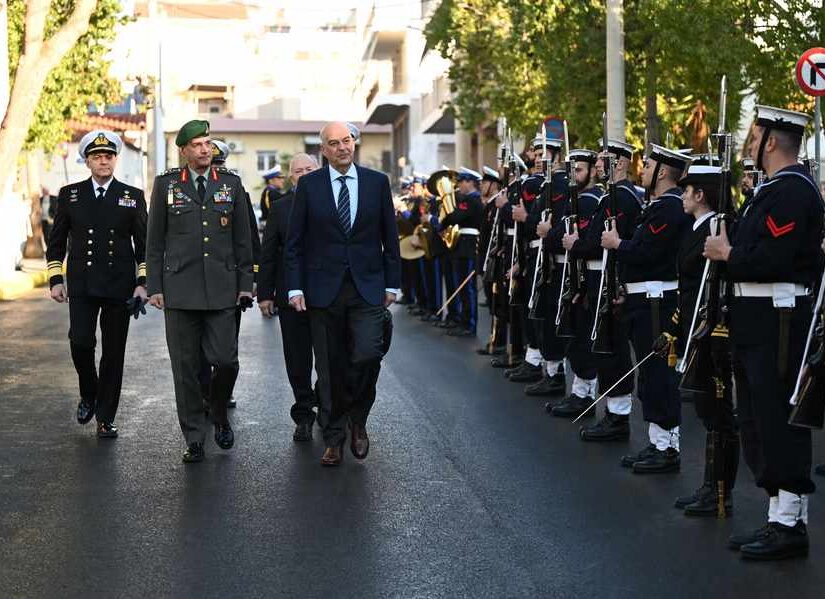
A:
[199,268]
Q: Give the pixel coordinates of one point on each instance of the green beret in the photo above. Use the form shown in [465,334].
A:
[190,131]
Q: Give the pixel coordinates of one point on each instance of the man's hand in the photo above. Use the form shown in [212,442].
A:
[157,301]
[244,300]
[569,239]
[389,299]
[298,303]
[267,308]
[501,201]
[662,344]
[717,247]
[610,239]
[58,293]
[543,228]
[519,213]
[140,291]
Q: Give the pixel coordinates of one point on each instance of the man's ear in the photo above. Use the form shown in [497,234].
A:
[770,144]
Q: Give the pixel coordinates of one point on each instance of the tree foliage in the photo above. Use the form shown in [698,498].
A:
[81,77]
[526,59]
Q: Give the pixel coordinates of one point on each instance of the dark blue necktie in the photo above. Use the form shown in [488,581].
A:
[343,205]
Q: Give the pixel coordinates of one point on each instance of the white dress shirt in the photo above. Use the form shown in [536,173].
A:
[105,185]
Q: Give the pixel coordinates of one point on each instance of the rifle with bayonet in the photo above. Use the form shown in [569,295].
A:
[544,262]
[571,271]
[604,326]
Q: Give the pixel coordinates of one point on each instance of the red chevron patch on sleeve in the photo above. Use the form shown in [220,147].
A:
[657,230]
[557,197]
[607,210]
[776,230]
[584,223]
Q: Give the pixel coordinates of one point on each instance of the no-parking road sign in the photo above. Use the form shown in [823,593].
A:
[810,72]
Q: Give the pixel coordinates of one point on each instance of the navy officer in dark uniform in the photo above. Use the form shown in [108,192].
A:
[199,269]
[103,221]
[648,267]
[774,261]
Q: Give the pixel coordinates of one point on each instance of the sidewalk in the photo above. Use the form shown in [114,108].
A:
[33,274]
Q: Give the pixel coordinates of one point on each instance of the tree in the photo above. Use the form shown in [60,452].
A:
[525,58]
[57,66]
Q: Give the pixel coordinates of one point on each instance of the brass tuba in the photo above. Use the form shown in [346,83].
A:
[442,185]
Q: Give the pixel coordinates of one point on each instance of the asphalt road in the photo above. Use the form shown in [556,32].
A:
[470,489]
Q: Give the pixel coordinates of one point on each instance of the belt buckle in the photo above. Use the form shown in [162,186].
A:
[654,289]
[784,295]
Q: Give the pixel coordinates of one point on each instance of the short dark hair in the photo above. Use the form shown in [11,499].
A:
[787,141]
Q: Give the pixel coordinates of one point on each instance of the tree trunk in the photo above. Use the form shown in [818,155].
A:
[38,59]
[652,121]
[35,245]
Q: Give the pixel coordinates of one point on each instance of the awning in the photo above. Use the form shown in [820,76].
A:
[442,121]
[385,109]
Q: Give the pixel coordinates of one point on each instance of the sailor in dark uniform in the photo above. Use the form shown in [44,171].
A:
[199,269]
[701,200]
[582,362]
[587,246]
[490,186]
[774,261]
[648,269]
[529,213]
[273,189]
[103,223]
[553,348]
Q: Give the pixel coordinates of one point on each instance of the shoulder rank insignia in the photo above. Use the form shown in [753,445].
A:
[225,171]
[170,171]
[73,195]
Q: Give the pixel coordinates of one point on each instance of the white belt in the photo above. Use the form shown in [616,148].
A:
[468,231]
[594,265]
[784,294]
[535,243]
[652,288]
[558,258]
[511,231]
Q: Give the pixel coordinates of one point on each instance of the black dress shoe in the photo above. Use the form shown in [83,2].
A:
[573,407]
[231,403]
[779,542]
[707,504]
[303,432]
[106,430]
[194,453]
[85,411]
[333,456]
[224,436]
[503,361]
[612,427]
[359,443]
[685,500]
[630,459]
[460,332]
[658,462]
[527,373]
[548,385]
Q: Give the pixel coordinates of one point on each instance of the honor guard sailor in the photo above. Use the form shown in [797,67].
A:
[199,269]
[773,261]
[103,223]
[648,269]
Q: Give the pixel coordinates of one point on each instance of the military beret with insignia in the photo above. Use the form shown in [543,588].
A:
[191,130]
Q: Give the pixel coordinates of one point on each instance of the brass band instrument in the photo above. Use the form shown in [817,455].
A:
[442,185]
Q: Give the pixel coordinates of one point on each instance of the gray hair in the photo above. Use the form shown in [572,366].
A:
[302,155]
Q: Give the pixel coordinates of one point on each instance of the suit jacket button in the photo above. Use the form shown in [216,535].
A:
[110,264]
[111,231]
[91,231]
[205,224]
[206,239]
[206,254]
[111,242]
[89,253]
[111,253]
[89,263]
[89,242]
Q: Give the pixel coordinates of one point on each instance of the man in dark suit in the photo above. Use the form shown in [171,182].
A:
[343,263]
[272,292]
[199,260]
[103,221]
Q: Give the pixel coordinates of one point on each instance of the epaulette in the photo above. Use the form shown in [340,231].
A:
[720,331]
[225,171]
[170,171]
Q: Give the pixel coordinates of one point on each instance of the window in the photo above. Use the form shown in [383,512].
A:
[267,160]
[212,106]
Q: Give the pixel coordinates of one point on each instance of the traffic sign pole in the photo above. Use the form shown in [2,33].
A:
[818,133]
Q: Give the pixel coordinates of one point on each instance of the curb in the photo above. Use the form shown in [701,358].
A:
[19,283]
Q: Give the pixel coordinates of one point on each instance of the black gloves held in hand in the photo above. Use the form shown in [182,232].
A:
[135,306]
